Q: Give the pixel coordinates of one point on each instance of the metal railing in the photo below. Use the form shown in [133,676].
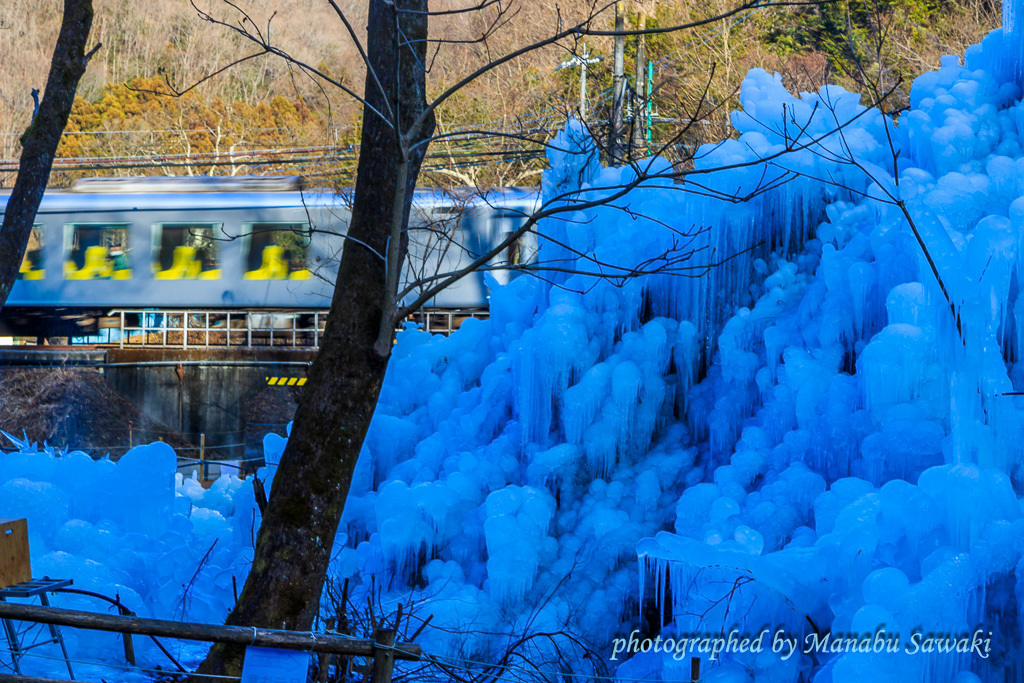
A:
[300,328]
[445,320]
[225,328]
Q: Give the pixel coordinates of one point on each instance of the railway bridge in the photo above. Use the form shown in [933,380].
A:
[200,372]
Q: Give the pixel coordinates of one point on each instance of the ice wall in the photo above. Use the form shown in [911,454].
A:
[136,530]
[852,457]
[875,482]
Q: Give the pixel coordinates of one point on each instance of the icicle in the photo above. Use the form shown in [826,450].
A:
[582,400]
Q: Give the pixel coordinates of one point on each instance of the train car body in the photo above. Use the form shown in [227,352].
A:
[251,243]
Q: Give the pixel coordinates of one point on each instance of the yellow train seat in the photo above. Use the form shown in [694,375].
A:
[97,266]
[274,267]
[183,267]
[28,273]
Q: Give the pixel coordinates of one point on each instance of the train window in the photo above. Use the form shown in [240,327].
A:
[97,251]
[433,230]
[185,251]
[437,240]
[277,251]
[33,265]
[508,221]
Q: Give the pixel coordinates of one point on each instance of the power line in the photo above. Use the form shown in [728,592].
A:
[469,144]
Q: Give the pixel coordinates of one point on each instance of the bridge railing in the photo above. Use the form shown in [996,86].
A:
[184,328]
[300,328]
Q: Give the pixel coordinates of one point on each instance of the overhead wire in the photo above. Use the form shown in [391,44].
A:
[348,154]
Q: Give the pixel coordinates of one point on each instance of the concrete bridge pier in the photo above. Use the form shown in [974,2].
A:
[206,394]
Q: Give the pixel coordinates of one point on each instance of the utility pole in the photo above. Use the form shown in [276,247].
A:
[639,101]
[615,146]
[651,110]
[581,61]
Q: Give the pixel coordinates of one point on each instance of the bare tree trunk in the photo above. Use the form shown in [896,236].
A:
[308,495]
[39,143]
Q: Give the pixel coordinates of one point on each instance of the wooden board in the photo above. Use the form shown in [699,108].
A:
[15,565]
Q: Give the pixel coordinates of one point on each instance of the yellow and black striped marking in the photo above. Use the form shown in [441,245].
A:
[286,381]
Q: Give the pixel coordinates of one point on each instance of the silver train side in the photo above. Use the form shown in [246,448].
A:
[447,230]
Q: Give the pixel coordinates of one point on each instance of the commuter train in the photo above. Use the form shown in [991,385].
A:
[242,243]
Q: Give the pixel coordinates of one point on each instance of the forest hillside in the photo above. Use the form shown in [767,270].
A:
[127,123]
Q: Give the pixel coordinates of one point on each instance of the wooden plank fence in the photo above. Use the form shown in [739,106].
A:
[11,678]
[384,651]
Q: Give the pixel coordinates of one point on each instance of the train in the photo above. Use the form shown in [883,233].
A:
[243,243]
